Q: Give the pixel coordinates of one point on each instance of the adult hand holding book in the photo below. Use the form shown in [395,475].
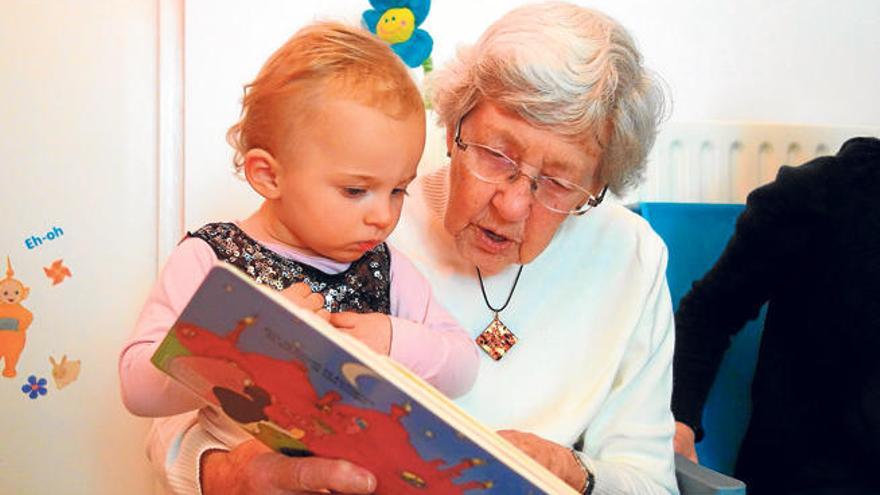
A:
[253,468]
[556,458]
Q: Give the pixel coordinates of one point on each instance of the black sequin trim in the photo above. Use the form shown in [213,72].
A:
[364,287]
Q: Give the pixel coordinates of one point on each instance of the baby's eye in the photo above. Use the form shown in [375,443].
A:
[353,192]
[398,191]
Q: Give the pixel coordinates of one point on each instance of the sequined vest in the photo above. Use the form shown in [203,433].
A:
[364,287]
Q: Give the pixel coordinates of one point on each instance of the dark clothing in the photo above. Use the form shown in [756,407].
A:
[365,287]
[809,245]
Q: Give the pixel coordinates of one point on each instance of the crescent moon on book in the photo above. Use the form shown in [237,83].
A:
[353,371]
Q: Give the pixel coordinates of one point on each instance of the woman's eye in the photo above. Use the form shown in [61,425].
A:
[495,154]
[558,185]
[353,192]
[501,159]
[497,159]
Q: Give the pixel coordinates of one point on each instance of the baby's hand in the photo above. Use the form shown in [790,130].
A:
[301,295]
[373,329]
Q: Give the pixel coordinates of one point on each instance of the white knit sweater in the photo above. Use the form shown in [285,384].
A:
[594,358]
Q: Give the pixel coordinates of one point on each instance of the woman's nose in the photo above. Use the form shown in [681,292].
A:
[513,201]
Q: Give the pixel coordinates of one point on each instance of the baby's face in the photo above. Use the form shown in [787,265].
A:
[343,180]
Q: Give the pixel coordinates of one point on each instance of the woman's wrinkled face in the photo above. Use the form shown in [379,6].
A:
[496,225]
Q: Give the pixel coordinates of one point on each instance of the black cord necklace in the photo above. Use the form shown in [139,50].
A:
[496,340]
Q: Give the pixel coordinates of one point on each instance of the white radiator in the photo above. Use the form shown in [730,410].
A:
[721,162]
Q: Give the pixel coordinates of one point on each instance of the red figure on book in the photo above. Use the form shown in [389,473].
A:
[251,386]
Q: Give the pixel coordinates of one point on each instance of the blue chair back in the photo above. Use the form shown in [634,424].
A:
[696,234]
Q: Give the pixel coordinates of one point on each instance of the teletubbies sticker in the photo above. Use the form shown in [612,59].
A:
[14,320]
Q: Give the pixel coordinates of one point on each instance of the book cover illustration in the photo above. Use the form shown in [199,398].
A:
[302,394]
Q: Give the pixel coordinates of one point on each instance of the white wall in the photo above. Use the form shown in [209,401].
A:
[77,141]
[787,61]
[794,61]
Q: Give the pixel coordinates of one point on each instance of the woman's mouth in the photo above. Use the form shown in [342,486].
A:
[491,241]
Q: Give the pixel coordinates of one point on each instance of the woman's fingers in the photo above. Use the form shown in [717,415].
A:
[557,458]
[313,474]
[252,469]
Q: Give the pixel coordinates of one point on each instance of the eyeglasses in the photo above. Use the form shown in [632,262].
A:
[554,193]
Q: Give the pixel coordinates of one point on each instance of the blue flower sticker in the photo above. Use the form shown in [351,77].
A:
[397,22]
[34,387]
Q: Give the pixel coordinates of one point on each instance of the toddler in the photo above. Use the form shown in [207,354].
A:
[330,135]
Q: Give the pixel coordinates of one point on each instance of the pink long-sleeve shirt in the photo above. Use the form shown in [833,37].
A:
[425,337]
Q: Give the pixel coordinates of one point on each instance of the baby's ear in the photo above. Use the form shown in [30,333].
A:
[263,173]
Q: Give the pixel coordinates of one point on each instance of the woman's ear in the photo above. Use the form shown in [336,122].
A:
[262,172]
[450,136]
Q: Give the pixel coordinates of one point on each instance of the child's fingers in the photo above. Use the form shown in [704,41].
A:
[314,301]
[323,313]
[345,319]
[298,289]
[348,331]
[302,295]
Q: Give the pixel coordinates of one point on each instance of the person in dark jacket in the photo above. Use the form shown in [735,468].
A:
[808,244]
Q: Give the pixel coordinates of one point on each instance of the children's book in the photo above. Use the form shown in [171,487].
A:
[306,389]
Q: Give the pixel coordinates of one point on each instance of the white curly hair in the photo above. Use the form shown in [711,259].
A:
[567,68]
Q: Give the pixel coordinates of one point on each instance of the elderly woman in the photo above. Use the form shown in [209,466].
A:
[549,110]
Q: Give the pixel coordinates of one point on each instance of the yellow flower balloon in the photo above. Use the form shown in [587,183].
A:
[396,25]
[397,22]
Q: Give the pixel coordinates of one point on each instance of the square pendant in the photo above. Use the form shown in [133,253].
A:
[496,339]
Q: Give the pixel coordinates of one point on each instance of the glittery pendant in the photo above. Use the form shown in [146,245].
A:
[496,339]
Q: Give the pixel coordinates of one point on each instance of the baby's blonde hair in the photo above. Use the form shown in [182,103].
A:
[320,59]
